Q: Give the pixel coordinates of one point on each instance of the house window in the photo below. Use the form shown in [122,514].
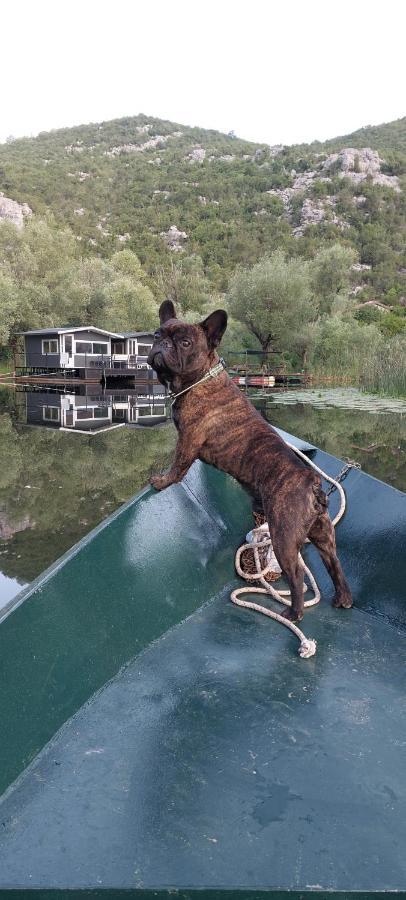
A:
[143,349]
[92,348]
[83,347]
[100,348]
[50,413]
[151,411]
[119,347]
[50,347]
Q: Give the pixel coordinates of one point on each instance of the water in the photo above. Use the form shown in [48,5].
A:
[66,462]
[69,460]
[346,423]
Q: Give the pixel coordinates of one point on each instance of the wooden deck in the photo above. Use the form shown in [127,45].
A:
[86,376]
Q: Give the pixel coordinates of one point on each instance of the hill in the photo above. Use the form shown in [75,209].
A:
[389,136]
[129,180]
[192,205]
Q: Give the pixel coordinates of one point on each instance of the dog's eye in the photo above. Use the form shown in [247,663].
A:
[185,343]
[157,335]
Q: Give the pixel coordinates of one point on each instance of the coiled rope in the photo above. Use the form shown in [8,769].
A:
[258,542]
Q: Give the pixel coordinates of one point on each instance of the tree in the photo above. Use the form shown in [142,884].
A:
[184,281]
[125,262]
[344,346]
[41,261]
[331,274]
[273,299]
[87,295]
[44,282]
[130,306]
[8,307]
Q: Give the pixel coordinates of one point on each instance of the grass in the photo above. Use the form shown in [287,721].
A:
[378,370]
[6,366]
[385,373]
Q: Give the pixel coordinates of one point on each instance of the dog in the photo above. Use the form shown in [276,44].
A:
[217,424]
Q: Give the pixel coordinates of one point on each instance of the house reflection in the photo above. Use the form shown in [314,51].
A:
[88,409]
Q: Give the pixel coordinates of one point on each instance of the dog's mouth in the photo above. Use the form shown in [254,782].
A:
[157,362]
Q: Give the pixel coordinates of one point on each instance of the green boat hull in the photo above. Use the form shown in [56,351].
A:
[156,739]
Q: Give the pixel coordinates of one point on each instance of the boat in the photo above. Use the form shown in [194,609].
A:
[253,380]
[158,740]
[252,368]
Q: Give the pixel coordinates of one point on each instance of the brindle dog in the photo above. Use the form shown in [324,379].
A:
[216,423]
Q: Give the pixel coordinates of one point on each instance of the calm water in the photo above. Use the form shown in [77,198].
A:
[67,461]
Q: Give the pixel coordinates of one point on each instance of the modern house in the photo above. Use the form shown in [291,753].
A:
[82,350]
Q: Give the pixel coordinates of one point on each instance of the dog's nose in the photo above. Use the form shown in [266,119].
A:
[155,359]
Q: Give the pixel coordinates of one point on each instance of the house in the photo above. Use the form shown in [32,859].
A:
[82,349]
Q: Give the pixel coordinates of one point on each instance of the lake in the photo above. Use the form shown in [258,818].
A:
[69,460]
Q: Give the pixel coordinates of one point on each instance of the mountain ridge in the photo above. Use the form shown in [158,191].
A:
[164,190]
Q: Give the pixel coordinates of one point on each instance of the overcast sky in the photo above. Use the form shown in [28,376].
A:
[274,72]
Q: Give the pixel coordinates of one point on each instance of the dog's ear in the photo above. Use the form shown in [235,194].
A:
[214,327]
[166,311]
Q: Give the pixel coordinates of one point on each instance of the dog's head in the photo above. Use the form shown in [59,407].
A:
[183,351]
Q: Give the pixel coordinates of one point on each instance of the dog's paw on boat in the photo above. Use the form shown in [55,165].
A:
[342,600]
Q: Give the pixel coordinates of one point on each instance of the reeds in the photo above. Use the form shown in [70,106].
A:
[385,371]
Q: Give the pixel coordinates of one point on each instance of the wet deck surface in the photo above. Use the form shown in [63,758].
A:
[218,758]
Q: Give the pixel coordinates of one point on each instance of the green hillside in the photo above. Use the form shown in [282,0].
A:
[192,205]
[98,180]
[389,136]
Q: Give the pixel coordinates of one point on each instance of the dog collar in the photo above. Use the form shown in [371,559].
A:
[216,370]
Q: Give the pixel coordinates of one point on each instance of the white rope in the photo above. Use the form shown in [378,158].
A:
[307,646]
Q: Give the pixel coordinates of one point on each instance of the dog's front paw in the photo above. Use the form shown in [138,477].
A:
[160,482]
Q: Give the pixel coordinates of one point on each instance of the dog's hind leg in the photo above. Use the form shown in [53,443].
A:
[322,536]
[286,549]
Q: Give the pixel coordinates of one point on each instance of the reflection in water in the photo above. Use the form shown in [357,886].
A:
[9,587]
[87,408]
[59,481]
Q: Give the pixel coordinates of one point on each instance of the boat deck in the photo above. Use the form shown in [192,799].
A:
[160,739]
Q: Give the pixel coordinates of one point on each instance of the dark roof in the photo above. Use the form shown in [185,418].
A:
[127,334]
[68,328]
[41,331]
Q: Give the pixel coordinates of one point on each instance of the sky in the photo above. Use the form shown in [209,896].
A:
[274,72]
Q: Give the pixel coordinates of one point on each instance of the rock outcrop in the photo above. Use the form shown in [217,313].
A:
[197,155]
[11,211]
[174,238]
[153,142]
[357,165]
[9,529]
[316,211]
